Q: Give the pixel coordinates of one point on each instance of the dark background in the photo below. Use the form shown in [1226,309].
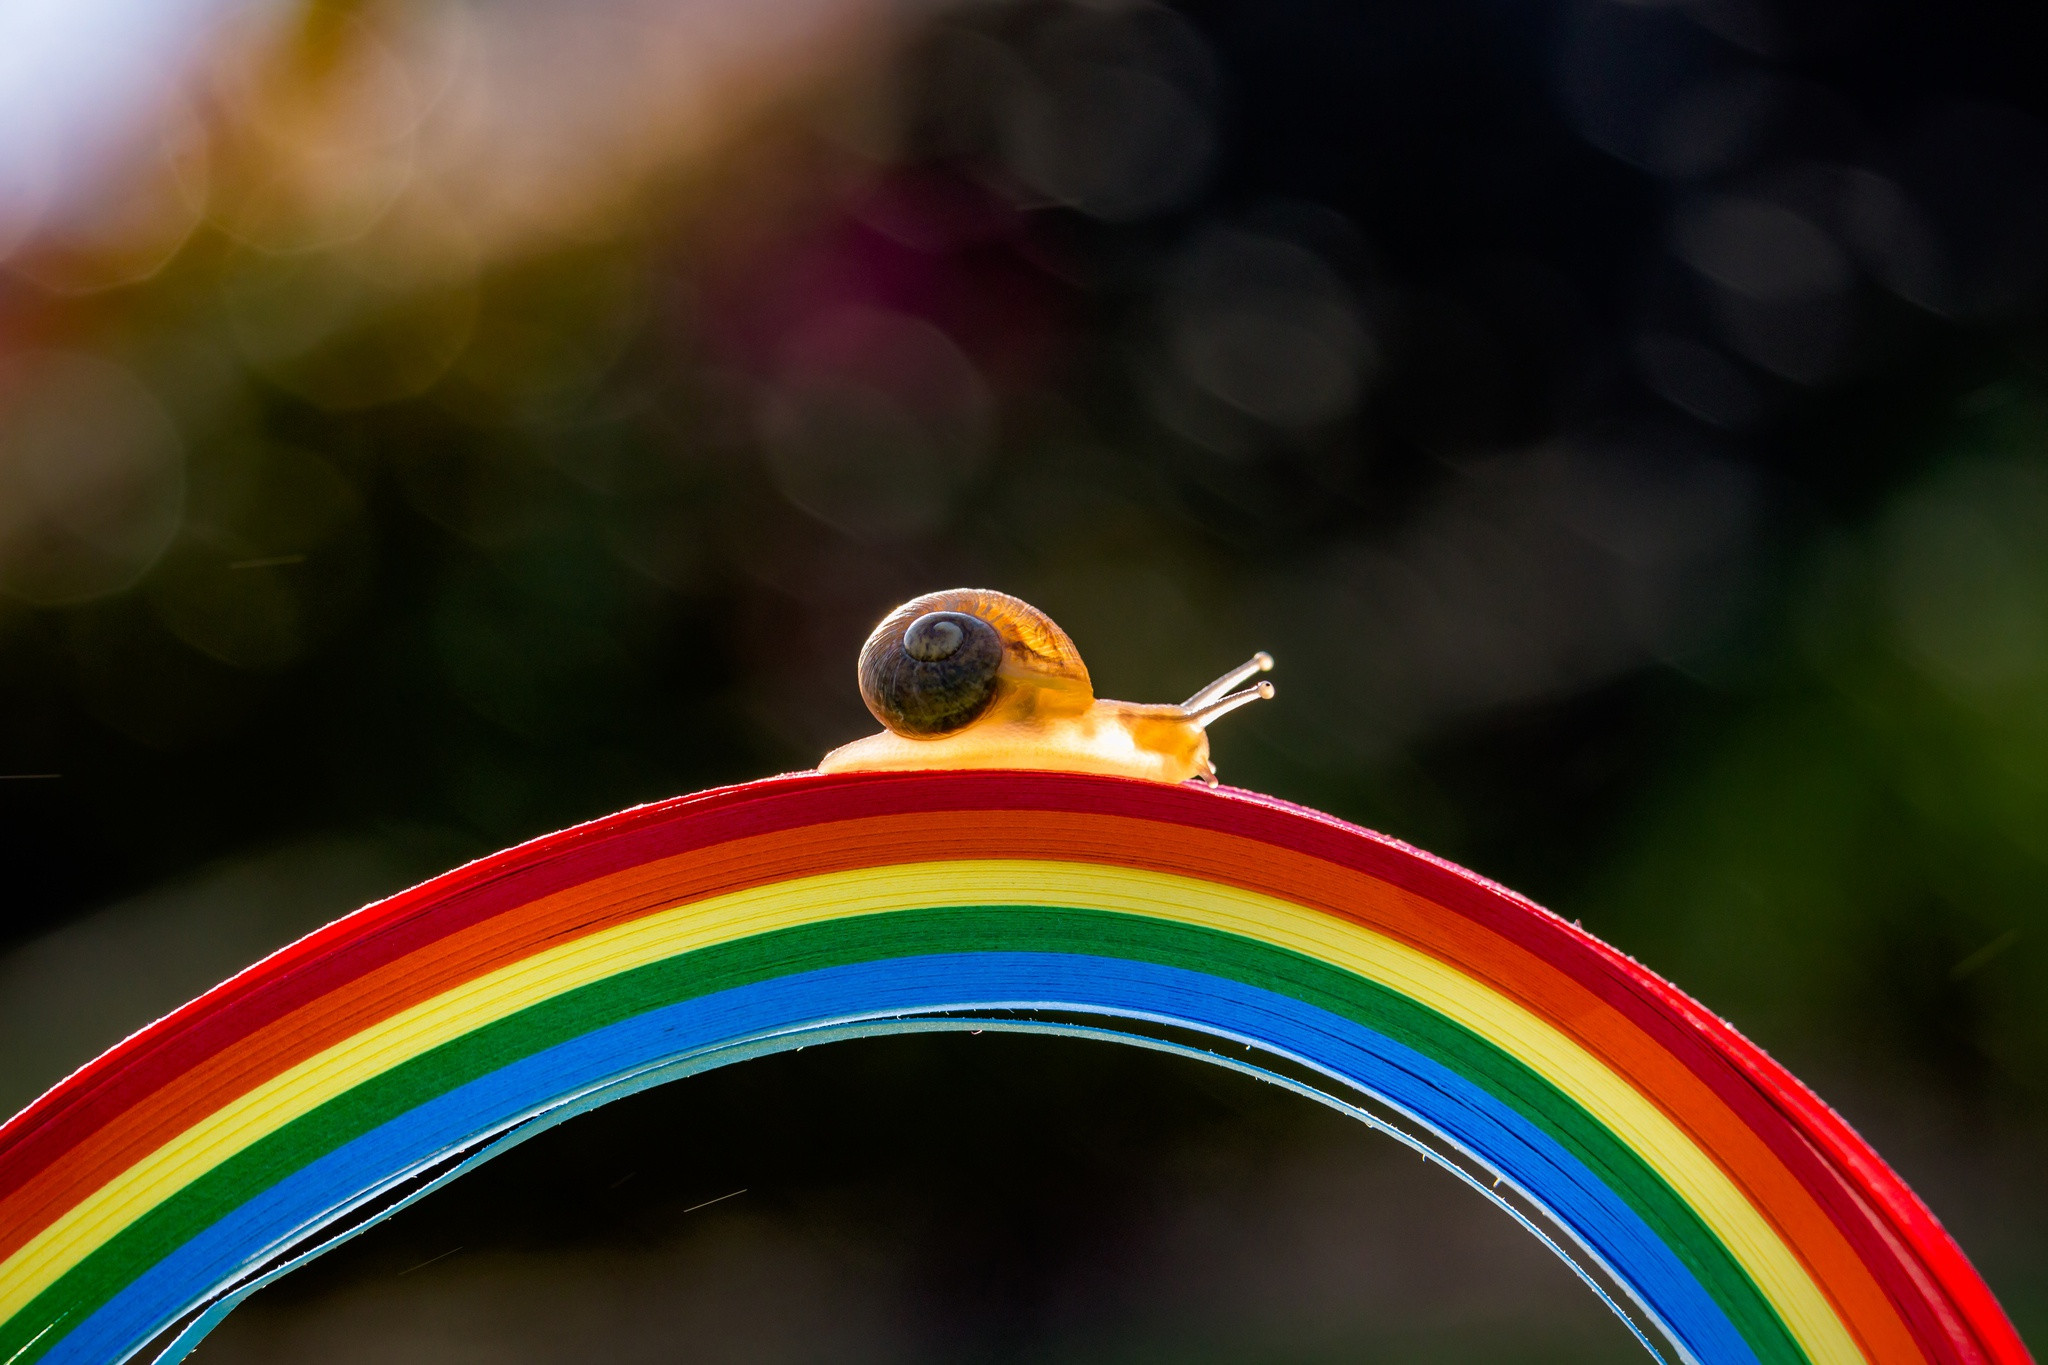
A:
[431,426]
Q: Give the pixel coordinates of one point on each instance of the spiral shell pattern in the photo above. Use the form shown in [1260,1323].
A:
[939,662]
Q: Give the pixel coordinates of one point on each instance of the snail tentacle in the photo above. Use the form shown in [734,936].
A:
[1261,662]
[1201,716]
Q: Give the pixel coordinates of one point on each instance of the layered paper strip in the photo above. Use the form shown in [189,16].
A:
[1742,1220]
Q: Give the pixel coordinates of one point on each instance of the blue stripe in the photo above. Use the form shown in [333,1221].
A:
[1358,1056]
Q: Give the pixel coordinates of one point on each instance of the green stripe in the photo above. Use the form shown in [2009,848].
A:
[130,1253]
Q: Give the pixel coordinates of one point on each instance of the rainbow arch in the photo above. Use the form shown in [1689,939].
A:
[1726,1213]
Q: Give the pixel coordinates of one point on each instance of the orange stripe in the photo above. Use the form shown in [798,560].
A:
[1157,846]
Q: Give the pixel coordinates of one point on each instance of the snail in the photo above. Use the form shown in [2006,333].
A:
[971,678]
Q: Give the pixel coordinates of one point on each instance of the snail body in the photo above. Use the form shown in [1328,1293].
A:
[972,678]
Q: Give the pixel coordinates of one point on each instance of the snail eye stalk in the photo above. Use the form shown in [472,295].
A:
[1261,662]
[1201,716]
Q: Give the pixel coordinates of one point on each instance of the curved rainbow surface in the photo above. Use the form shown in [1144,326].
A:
[1740,1218]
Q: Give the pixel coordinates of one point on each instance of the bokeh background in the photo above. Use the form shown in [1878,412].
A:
[428,423]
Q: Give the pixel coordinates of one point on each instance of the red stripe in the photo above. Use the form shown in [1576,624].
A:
[349,948]
[860,842]
[1954,1313]
[1941,1294]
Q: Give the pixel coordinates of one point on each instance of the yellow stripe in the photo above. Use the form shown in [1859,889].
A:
[1554,1055]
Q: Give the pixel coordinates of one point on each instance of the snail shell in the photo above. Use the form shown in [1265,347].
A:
[943,661]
